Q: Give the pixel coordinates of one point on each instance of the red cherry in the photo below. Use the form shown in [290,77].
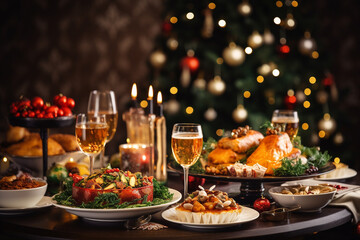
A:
[70,103]
[37,102]
[67,111]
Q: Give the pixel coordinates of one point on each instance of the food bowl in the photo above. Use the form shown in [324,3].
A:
[307,203]
[22,198]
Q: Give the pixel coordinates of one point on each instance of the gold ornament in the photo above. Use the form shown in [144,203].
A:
[233,55]
[322,96]
[338,138]
[244,8]
[172,106]
[200,83]
[327,124]
[307,45]
[268,37]
[255,40]
[157,59]
[172,43]
[217,86]
[239,114]
[300,96]
[210,114]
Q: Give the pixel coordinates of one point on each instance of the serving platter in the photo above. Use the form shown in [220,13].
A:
[349,173]
[247,215]
[43,203]
[117,215]
[326,169]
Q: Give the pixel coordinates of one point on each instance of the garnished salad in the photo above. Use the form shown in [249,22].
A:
[113,188]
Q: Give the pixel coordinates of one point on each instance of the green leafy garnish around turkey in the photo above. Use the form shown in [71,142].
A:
[111,200]
[315,158]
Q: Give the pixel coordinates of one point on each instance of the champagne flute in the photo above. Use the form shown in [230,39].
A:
[103,102]
[186,145]
[91,133]
[287,120]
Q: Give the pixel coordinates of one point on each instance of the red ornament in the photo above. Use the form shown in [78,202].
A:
[166,27]
[194,183]
[290,102]
[262,204]
[328,81]
[285,49]
[358,228]
[191,62]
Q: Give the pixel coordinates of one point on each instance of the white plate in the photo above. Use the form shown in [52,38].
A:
[247,215]
[115,215]
[44,202]
[349,173]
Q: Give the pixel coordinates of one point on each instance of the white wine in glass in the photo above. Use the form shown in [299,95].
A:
[91,133]
[104,103]
[287,120]
[186,145]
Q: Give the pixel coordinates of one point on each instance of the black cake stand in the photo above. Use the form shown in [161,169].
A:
[43,124]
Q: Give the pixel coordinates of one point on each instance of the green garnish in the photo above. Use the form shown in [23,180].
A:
[290,168]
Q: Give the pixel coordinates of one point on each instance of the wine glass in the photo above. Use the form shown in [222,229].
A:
[103,102]
[287,120]
[91,133]
[186,145]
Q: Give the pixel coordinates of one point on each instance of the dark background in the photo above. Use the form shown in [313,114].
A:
[73,47]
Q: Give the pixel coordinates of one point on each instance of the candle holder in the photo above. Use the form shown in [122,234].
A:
[135,158]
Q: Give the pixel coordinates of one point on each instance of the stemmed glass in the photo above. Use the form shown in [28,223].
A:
[103,102]
[287,120]
[91,133]
[186,145]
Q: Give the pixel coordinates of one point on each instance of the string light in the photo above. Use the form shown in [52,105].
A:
[219,132]
[294,3]
[5,159]
[305,126]
[173,90]
[277,20]
[189,110]
[222,23]
[173,20]
[322,134]
[337,160]
[279,4]
[276,72]
[219,60]
[212,5]
[271,100]
[190,15]
[312,80]
[247,94]
[248,50]
[315,55]
[143,104]
[327,116]
[306,104]
[307,91]
[260,79]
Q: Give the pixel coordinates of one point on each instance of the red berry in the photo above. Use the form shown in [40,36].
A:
[70,103]
[24,114]
[37,102]
[40,115]
[17,114]
[67,111]
[60,112]
[31,114]
[62,101]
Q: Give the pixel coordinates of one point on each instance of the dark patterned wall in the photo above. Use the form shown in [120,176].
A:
[73,47]
[67,46]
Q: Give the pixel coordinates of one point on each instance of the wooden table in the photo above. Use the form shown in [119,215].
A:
[54,223]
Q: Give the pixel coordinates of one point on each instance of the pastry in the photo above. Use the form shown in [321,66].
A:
[16,134]
[67,141]
[208,207]
[242,143]
[32,147]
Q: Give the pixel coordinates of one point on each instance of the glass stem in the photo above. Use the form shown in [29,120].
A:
[186,178]
[92,160]
[102,158]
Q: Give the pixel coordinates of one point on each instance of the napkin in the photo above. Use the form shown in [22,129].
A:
[349,197]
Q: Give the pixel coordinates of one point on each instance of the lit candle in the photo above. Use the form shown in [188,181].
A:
[150,99]
[160,105]
[134,103]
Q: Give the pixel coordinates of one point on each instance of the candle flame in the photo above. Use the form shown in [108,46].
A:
[151,92]
[5,159]
[159,98]
[144,158]
[134,91]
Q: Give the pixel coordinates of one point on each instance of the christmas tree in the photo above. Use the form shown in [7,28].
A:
[226,64]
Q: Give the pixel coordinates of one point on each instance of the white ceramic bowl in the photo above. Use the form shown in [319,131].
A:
[308,203]
[22,198]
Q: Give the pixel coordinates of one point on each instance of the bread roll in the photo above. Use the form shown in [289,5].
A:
[67,141]
[16,134]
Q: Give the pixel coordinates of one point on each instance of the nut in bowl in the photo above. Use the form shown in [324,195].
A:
[22,192]
[308,198]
